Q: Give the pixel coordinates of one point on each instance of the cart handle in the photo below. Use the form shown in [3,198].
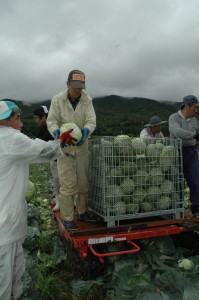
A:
[101,255]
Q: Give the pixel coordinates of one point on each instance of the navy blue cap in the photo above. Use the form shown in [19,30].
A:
[190,99]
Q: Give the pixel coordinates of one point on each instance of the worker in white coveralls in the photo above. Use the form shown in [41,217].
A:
[73,106]
[17,151]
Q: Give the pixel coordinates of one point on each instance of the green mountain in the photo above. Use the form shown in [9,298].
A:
[115,114]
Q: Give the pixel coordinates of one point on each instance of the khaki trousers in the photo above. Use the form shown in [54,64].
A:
[73,178]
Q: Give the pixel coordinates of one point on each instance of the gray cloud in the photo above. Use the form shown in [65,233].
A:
[133,48]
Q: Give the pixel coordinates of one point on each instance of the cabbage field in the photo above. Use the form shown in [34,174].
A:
[165,269]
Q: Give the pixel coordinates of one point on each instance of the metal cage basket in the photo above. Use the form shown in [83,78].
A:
[130,178]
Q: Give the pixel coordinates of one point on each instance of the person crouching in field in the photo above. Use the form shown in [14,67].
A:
[17,151]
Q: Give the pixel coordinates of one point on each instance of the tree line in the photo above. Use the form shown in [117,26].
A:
[115,114]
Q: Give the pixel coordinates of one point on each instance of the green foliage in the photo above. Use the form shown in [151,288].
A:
[47,283]
[31,241]
[80,287]
[44,252]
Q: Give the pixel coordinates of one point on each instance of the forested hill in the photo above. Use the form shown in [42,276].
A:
[115,114]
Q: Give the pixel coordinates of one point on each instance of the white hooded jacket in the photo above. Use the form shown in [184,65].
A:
[17,151]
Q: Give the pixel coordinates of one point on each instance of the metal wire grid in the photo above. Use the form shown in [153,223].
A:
[131,179]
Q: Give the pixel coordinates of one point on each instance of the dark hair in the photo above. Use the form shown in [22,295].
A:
[39,111]
[14,112]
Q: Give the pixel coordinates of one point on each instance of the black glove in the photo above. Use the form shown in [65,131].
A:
[196,137]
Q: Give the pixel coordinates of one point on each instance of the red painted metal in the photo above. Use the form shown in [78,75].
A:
[108,254]
[91,234]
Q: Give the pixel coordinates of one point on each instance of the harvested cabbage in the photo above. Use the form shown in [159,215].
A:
[127,186]
[132,208]
[120,208]
[30,193]
[138,145]
[122,144]
[76,133]
[186,264]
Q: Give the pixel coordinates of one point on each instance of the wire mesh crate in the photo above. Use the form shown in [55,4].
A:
[130,178]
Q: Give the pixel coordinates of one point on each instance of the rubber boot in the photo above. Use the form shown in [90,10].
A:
[57,206]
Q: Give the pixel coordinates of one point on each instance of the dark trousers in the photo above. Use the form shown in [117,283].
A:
[191,174]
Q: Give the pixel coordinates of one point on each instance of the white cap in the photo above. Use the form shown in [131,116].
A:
[45,109]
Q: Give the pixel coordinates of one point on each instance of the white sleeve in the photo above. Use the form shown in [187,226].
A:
[34,150]
[144,135]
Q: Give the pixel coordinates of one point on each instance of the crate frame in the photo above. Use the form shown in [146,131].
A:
[102,156]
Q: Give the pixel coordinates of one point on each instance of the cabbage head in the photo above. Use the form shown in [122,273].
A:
[138,195]
[186,264]
[76,133]
[169,151]
[31,191]
[141,178]
[114,193]
[120,208]
[132,208]
[154,150]
[146,207]
[156,176]
[153,193]
[167,187]
[163,203]
[138,145]
[122,144]
[127,186]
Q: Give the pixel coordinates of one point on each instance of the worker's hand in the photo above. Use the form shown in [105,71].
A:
[66,139]
[85,132]
[196,137]
[56,133]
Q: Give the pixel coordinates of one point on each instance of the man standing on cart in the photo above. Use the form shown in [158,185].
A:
[73,106]
[183,125]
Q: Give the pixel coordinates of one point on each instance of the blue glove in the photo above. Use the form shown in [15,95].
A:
[85,132]
[56,133]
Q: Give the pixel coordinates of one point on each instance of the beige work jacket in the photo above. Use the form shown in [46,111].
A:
[61,112]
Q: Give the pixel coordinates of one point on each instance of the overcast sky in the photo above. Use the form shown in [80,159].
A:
[133,48]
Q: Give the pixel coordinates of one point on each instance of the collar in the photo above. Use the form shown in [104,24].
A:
[73,103]
[182,116]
